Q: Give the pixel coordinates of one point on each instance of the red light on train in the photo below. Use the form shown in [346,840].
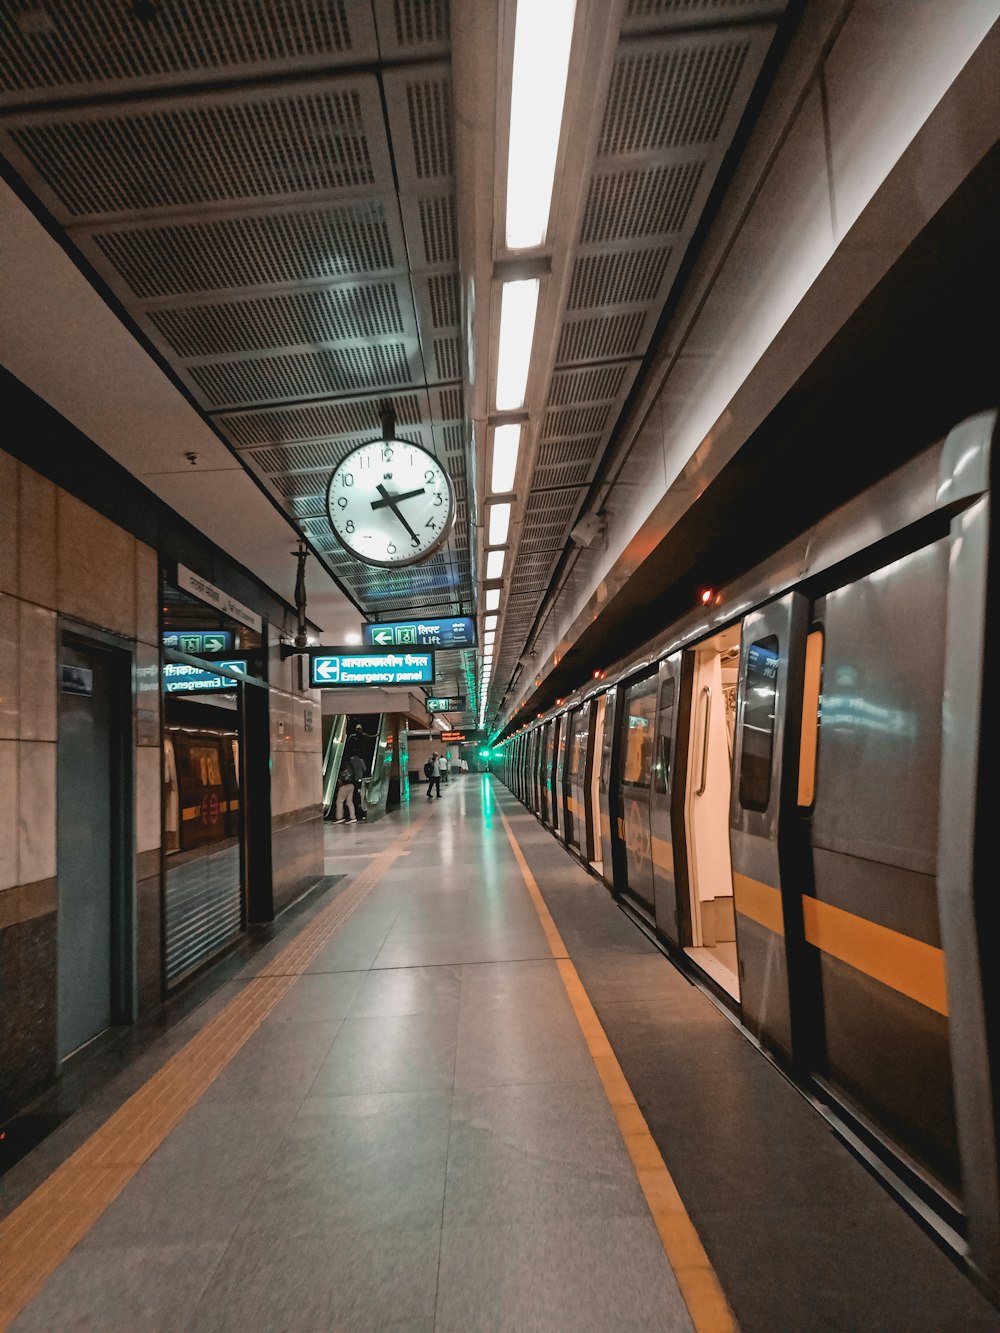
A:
[706,596]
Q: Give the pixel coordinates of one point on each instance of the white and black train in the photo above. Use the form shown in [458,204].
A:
[789,788]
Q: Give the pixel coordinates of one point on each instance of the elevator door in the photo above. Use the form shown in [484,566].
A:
[85,821]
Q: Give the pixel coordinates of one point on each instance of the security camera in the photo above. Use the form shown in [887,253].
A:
[589,528]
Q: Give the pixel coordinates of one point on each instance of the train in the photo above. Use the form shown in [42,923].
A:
[201,786]
[786,790]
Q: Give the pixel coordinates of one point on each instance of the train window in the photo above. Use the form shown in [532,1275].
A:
[640,714]
[578,742]
[664,731]
[809,740]
[204,768]
[760,691]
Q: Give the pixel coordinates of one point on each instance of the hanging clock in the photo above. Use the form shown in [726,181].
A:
[390,502]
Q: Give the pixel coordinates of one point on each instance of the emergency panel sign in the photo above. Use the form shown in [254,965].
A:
[328,670]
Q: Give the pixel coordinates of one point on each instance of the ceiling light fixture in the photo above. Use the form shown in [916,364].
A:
[499,524]
[494,564]
[543,34]
[506,443]
[518,304]
[490,622]
[492,599]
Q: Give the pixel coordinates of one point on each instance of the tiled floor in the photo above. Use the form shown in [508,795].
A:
[416,1137]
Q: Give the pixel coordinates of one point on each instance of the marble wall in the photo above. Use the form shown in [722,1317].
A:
[59,557]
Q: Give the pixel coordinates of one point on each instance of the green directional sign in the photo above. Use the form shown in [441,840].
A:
[451,703]
[451,632]
[336,667]
[200,642]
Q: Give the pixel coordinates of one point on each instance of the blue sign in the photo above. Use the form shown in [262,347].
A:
[181,679]
[451,632]
[200,642]
[329,669]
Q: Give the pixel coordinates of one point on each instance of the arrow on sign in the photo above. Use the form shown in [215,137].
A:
[214,643]
[382,636]
[327,669]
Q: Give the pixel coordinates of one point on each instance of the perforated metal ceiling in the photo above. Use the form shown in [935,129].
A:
[674,103]
[286,237]
[269,190]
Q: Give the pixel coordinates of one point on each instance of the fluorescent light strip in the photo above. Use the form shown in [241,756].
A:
[494,564]
[506,444]
[518,304]
[499,524]
[543,34]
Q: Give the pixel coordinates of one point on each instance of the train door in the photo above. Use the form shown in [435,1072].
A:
[636,730]
[871,918]
[559,783]
[596,809]
[709,936]
[533,769]
[552,776]
[767,890]
[612,824]
[545,775]
[666,800]
[576,815]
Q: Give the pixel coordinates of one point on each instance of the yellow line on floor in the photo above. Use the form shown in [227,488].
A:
[41,1232]
[700,1287]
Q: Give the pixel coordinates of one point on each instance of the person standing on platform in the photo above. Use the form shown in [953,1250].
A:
[432,772]
[344,795]
[357,765]
[445,766]
[463,766]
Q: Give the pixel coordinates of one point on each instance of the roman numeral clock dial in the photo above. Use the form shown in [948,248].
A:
[390,503]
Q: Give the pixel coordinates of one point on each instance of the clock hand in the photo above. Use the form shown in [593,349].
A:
[390,500]
[404,495]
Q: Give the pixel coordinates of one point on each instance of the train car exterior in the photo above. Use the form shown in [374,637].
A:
[783,789]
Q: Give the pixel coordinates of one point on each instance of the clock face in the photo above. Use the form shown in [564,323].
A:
[390,503]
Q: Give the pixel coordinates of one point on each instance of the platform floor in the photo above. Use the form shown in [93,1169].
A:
[404,1114]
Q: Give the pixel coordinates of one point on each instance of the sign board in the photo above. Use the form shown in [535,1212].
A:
[200,642]
[181,679]
[451,703]
[450,632]
[207,592]
[453,735]
[331,668]
[76,680]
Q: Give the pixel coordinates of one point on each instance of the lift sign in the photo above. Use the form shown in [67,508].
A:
[330,670]
[455,632]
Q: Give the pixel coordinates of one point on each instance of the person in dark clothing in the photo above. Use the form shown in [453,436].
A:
[357,767]
[432,773]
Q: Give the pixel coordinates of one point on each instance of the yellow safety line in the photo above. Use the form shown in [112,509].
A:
[41,1232]
[699,1285]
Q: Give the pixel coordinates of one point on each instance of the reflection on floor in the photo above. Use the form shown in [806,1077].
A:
[721,964]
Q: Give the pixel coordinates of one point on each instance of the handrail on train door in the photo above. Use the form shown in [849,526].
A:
[706,693]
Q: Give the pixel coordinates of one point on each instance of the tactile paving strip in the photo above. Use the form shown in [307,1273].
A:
[41,1232]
